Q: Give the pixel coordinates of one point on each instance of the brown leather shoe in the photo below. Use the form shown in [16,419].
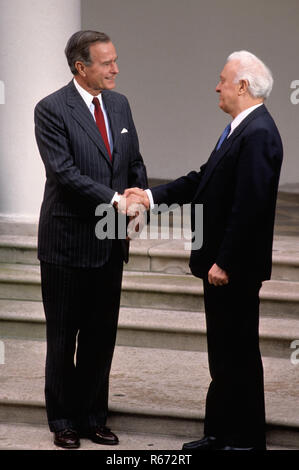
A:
[67,438]
[103,435]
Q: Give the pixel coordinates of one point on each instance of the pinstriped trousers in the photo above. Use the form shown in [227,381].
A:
[81,308]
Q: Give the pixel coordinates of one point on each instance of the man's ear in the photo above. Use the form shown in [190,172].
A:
[243,86]
[80,67]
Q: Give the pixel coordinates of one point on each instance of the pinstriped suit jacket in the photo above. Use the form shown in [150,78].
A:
[80,175]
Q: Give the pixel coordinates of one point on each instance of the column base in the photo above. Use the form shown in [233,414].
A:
[18,225]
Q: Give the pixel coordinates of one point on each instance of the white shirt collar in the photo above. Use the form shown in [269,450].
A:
[87,97]
[238,119]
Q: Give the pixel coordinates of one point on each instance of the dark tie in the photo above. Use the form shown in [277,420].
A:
[223,136]
[98,114]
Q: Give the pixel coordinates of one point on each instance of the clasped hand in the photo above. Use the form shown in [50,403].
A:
[134,202]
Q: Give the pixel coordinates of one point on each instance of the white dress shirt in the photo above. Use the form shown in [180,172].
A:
[238,119]
[87,97]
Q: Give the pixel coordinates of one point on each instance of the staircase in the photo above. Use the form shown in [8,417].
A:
[159,376]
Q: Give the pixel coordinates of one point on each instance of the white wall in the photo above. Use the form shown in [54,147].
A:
[170,55]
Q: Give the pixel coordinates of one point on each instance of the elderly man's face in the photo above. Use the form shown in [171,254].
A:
[101,74]
[228,90]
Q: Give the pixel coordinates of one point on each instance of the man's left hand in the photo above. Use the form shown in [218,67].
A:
[217,276]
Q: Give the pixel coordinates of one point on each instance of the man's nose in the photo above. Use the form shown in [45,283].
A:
[115,68]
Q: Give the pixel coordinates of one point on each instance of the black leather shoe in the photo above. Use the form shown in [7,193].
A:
[67,438]
[236,448]
[207,443]
[262,448]
[103,435]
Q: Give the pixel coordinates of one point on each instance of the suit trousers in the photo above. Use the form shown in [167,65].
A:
[235,408]
[81,308]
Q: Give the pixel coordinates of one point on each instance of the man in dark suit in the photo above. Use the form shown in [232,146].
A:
[238,189]
[89,146]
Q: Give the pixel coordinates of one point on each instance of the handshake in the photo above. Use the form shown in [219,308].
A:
[134,202]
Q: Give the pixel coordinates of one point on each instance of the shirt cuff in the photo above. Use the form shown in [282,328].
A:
[151,200]
[116,198]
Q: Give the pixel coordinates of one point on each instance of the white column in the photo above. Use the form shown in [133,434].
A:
[33,35]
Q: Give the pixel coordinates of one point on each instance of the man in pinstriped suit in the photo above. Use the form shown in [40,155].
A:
[81,274]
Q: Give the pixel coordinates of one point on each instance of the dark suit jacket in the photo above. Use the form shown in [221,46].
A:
[238,189]
[80,175]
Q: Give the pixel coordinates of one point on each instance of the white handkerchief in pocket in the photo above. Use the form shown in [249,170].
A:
[124,131]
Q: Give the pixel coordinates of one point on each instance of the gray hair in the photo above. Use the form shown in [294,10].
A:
[252,69]
[77,48]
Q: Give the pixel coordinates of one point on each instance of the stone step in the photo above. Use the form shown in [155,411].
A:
[18,226]
[18,249]
[167,256]
[172,256]
[154,290]
[155,391]
[184,292]
[37,437]
[28,437]
[20,281]
[152,328]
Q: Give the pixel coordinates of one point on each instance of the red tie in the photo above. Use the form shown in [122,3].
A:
[98,114]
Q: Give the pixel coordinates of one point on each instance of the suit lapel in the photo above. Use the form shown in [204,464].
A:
[82,115]
[217,155]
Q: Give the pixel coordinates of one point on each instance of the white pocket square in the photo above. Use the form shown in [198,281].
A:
[124,131]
